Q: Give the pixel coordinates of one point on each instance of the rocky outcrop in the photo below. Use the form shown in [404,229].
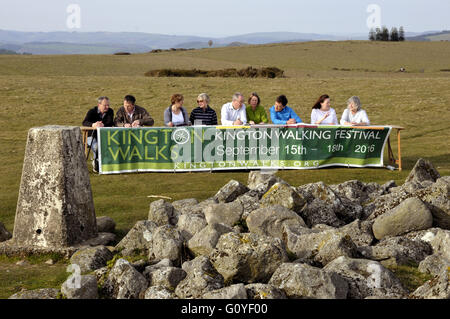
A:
[91,258]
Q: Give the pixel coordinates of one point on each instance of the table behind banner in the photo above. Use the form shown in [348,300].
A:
[207,148]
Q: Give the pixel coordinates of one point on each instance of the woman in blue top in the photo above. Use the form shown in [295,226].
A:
[280,113]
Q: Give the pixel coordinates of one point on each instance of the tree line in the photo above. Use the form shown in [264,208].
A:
[383,34]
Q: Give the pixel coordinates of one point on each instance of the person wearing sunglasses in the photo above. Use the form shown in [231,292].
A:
[203,114]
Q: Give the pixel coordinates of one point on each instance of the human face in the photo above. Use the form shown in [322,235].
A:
[129,107]
[238,103]
[325,105]
[178,104]
[202,103]
[254,102]
[352,107]
[103,107]
[279,107]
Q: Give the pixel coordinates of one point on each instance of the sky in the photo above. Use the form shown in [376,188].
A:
[223,17]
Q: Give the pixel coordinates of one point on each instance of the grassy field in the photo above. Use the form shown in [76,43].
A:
[40,90]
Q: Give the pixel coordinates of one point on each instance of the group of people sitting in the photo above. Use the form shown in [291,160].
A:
[232,113]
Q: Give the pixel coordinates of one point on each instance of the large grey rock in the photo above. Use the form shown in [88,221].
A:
[168,277]
[4,233]
[223,213]
[55,206]
[46,293]
[124,282]
[167,242]
[91,258]
[86,288]
[284,195]
[248,257]
[184,206]
[436,288]
[410,215]
[439,239]
[260,182]
[138,239]
[359,231]
[353,190]
[231,292]
[190,224]
[162,213]
[301,281]
[397,251]
[159,292]
[204,242]
[321,247]
[270,220]
[230,191]
[434,264]
[105,224]
[264,291]
[437,197]
[201,278]
[249,202]
[422,171]
[366,278]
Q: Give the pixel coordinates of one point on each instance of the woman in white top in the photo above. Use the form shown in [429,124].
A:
[353,114]
[176,114]
[322,113]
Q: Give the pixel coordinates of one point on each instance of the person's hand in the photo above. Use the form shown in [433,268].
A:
[170,124]
[325,116]
[98,124]
[136,124]
[347,123]
[251,123]
[127,125]
[291,121]
[237,122]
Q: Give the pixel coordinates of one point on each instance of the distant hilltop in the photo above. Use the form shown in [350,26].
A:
[137,42]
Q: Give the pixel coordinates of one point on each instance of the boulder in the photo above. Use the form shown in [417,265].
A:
[366,278]
[105,224]
[260,181]
[162,213]
[204,242]
[138,239]
[124,282]
[230,191]
[191,224]
[248,257]
[422,171]
[412,214]
[86,288]
[167,242]
[168,277]
[92,258]
[184,206]
[223,213]
[231,292]
[434,264]
[249,202]
[436,288]
[159,292]
[439,239]
[397,251]
[4,233]
[301,281]
[264,291]
[46,293]
[437,197]
[284,195]
[201,278]
[359,231]
[270,220]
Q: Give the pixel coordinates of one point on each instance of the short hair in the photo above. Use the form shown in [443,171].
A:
[236,96]
[254,95]
[101,98]
[176,98]
[130,98]
[204,97]
[282,99]
[356,101]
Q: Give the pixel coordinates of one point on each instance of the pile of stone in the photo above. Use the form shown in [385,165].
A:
[268,239]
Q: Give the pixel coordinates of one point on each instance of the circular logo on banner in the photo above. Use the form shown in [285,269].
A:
[181,136]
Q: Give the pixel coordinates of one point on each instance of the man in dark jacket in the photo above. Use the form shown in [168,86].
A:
[132,115]
[99,116]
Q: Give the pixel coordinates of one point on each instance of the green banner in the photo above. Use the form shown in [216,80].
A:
[205,148]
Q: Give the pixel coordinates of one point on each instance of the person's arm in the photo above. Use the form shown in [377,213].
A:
[119,120]
[146,119]
[264,118]
[334,119]
[186,117]
[243,115]
[345,118]
[224,116]
[167,118]
[295,117]
[314,117]
[192,118]
[273,117]
[89,119]
[364,118]
[214,118]
[108,119]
